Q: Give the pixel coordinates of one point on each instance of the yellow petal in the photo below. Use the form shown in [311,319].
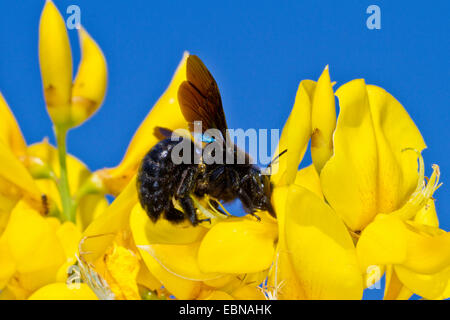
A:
[174,247]
[382,242]
[429,286]
[309,178]
[214,295]
[10,133]
[163,231]
[16,181]
[425,253]
[123,267]
[249,292]
[230,246]
[181,260]
[9,196]
[323,121]
[321,249]
[180,287]
[7,262]
[147,279]
[90,207]
[427,215]
[370,171]
[165,113]
[101,232]
[69,237]
[388,240]
[283,283]
[90,83]
[295,136]
[394,289]
[62,291]
[55,59]
[32,242]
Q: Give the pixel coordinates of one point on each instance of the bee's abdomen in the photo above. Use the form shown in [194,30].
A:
[156,179]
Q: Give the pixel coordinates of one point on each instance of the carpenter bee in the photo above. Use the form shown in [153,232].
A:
[165,187]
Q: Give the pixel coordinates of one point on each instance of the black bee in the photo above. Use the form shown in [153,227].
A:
[161,183]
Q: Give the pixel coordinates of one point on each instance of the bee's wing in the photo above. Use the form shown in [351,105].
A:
[199,98]
[162,133]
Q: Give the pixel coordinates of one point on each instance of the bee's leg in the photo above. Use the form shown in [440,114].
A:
[187,182]
[183,194]
[247,202]
[189,209]
[216,206]
[174,215]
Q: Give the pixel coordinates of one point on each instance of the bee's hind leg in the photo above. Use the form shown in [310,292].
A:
[190,211]
[174,215]
[183,195]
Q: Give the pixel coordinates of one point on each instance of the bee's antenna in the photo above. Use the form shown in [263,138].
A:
[276,158]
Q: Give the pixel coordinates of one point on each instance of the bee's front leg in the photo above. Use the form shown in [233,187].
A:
[247,202]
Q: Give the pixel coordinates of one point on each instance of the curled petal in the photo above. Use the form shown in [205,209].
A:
[320,248]
[230,246]
[101,232]
[295,136]
[10,133]
[163,231]
[55,59]
[382,242]
[323,121]
[181,288]
[174,247]
[429,286]
[90,83]
[373,169]
[389,240]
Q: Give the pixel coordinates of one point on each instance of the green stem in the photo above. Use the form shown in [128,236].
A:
[68,205]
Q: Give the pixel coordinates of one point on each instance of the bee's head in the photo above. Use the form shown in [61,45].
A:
[259,188]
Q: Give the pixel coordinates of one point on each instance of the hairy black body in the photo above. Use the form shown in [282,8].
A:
[160,182]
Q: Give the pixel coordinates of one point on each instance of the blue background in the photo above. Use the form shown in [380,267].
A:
[258,51]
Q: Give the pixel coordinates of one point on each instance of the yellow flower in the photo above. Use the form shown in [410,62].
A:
[315,256]
[69,104]
[36,249]
[16,183]
[373,183]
